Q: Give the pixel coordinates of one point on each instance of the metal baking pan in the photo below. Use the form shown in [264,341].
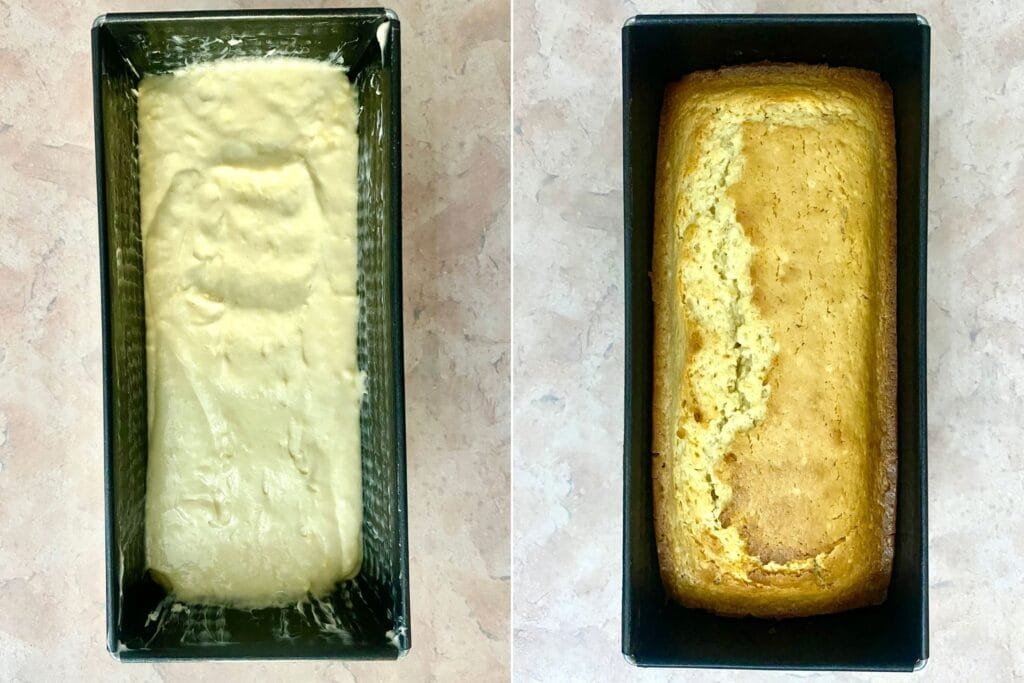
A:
[367,617]
[657,50]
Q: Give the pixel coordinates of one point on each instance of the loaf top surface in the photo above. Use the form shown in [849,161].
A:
[774,287]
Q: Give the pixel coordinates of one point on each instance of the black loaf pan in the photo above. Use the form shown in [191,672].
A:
[367,617]
[657,50]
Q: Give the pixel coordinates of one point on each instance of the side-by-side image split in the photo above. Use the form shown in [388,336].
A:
[504,340]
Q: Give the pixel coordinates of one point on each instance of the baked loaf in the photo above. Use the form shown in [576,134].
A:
[774,461]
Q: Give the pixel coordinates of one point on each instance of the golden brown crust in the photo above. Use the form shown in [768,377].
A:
[778,503]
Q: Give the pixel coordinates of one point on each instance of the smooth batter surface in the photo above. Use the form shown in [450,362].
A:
[248,193]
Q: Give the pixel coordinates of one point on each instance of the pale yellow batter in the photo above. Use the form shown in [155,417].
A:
[248,185]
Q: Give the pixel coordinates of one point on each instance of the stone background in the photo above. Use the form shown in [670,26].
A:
[455,78]
[568,341]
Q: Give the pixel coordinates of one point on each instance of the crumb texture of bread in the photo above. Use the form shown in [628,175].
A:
[774,439]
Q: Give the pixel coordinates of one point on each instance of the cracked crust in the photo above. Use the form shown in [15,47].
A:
[775,366]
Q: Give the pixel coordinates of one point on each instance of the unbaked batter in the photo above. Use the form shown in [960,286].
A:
[248,198]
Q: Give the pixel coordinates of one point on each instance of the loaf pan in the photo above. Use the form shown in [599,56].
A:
[367,617]
[657,50]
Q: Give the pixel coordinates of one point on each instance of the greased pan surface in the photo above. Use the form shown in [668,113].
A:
[367,617]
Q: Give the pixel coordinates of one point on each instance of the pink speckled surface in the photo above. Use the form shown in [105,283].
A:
[568,341]
[456,259]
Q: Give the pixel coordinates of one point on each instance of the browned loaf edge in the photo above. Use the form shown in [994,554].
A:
[793,514]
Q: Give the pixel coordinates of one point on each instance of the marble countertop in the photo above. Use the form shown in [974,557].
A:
[456,255]
[568,340]
[568,344]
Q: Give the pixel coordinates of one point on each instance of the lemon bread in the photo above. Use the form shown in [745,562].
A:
[774,438]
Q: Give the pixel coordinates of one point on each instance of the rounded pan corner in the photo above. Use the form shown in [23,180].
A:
[920,664]
[99,22]
[630,658]
[630,22]
[114,650]
[391,15]
[922,21]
